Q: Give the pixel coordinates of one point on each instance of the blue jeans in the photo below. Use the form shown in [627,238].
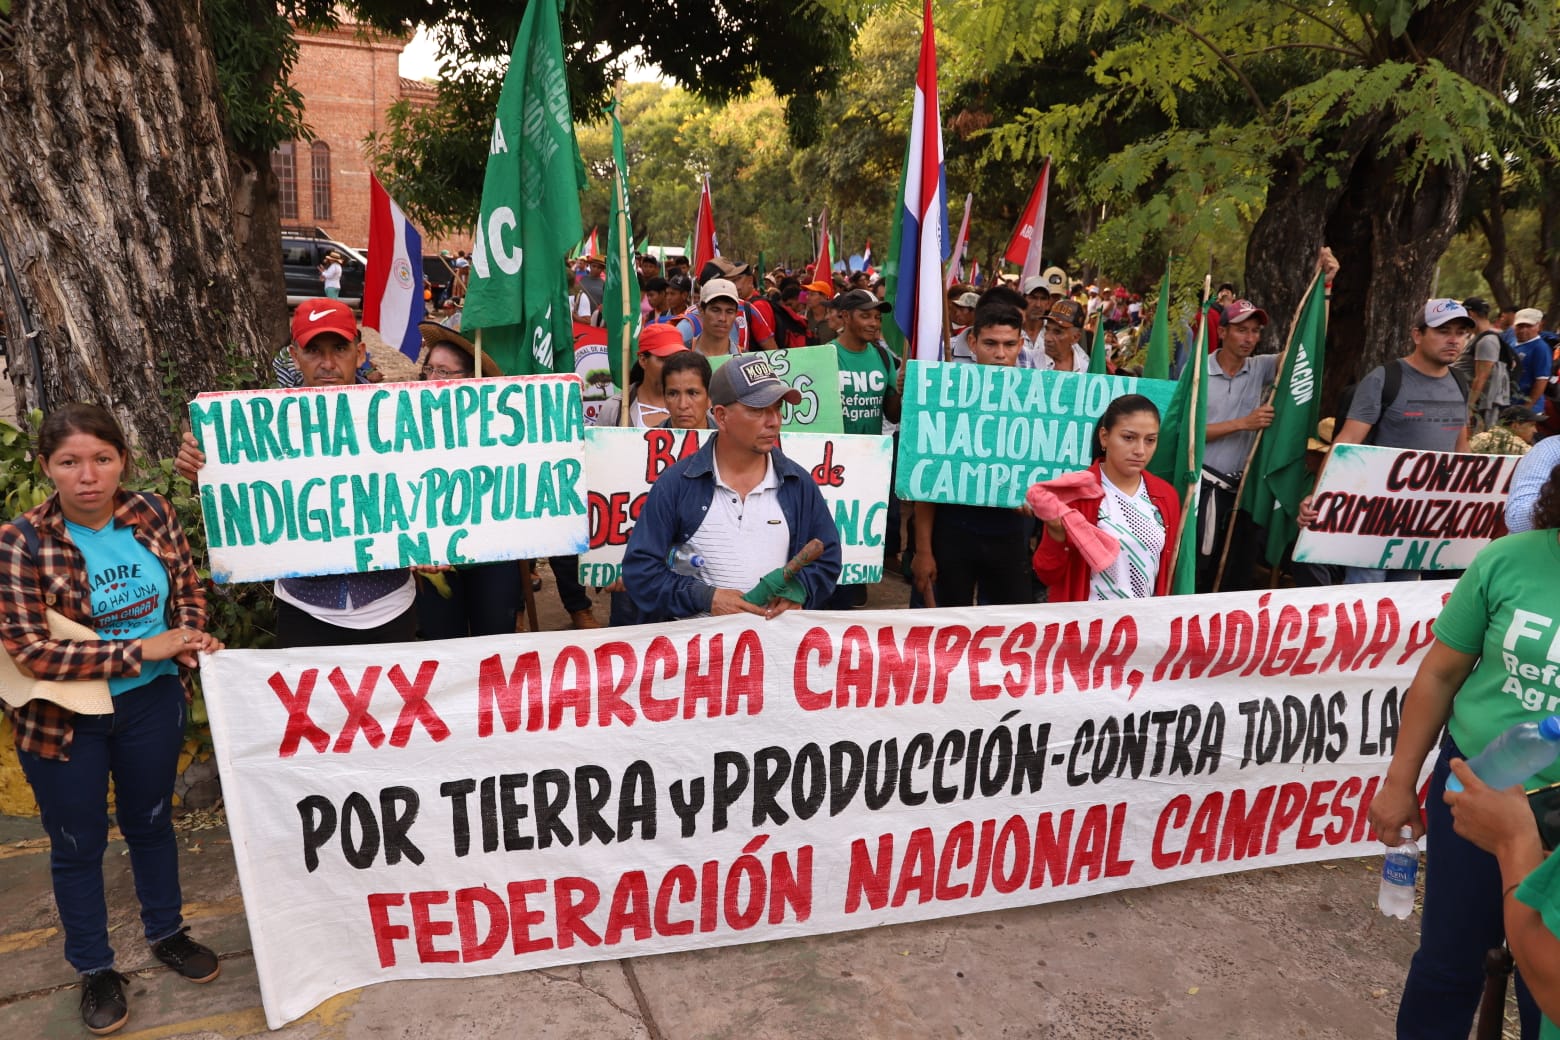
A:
[1462,921]
[139,745]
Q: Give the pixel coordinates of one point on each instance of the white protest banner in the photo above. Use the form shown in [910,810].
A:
[621,463]
[477,806]
[1400,509]
[370,477]
[980,435]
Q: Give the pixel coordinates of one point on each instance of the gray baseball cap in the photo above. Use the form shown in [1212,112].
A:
[750,379]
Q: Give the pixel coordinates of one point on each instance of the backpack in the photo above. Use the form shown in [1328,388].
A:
[1465,361]
[1391,383]
[789,331]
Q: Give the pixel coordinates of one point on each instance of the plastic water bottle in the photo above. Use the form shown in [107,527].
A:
[1398,871]
[1514,756]
[684,560]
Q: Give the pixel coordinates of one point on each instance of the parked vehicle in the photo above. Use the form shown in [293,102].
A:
[304,251]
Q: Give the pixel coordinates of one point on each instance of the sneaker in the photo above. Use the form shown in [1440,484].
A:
[103,1006]
[187,957]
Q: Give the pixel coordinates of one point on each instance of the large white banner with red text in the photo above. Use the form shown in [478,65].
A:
[489,805]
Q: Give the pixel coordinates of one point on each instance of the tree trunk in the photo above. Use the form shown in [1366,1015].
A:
[1493,226]
[117,211]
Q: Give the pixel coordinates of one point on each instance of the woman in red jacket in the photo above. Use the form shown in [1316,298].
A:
[1136,508]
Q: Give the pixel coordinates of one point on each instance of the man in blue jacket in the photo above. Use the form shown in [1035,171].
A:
[739,503]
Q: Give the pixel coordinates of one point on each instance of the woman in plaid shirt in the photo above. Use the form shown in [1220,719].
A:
[115,561]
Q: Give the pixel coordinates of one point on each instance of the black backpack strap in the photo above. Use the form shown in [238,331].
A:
[29,536]
[1391,383]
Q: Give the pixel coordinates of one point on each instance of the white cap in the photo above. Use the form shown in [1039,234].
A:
[1033,282]
[1528,316]
[1439,312]
[719,288]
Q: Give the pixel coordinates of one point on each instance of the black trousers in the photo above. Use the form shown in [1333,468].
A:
[967,560]
[295,627]
[1217,507]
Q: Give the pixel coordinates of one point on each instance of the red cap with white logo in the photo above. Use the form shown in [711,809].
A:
[322,315]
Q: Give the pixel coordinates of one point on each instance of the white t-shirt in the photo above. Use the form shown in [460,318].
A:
[332,275]
[742,537]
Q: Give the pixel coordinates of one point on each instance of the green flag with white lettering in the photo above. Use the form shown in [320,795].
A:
[530,217]
[1278,478]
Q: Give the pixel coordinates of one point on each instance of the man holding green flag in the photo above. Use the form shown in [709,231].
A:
[516,304]
[620,298]
[1278,479]
[1237,412]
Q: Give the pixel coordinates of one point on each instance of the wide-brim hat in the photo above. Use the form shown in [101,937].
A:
[447,333]
[82,696]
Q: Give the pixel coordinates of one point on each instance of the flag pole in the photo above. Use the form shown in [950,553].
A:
[476,341]
[625,321]
[1199,348]
[1282,380]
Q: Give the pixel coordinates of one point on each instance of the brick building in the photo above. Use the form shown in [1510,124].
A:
[348,79]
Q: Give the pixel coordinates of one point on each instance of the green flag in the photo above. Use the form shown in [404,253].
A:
[518,295]
[1157,366]
[1097,351]
[620,298]
[644,244]
[688,249]
[1278,479]
[893,335]
[1178,458]
[759,270]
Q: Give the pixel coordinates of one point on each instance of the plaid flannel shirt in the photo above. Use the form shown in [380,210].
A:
[57,578]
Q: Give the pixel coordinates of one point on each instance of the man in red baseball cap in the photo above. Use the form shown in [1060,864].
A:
[331,609]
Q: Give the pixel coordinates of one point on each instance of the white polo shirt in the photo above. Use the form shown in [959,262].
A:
[743,538]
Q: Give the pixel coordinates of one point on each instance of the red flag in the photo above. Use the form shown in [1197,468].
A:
[705,245]
[592,247]
[823,267]
[1024,249]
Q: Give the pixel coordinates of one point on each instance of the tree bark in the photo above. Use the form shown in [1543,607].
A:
[117,210]
[1388,234]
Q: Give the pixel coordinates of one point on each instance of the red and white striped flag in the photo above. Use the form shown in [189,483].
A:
[393,302]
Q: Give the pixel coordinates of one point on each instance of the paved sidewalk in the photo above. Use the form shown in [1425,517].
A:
[1296,952]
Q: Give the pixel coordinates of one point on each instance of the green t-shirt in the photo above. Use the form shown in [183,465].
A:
[1541,891]
[1505,610]
[864,382]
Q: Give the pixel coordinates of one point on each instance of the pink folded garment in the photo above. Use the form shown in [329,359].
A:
[1050,501]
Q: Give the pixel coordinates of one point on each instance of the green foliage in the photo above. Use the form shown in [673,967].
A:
[253,45]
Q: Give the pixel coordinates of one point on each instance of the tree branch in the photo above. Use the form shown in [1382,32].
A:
[1355,48]
[1223,59]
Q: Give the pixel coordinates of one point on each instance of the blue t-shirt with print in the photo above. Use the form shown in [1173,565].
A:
[129,594]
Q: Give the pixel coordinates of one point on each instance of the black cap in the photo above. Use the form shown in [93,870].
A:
[861,300]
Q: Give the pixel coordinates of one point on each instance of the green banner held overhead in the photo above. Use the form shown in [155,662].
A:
[530,216]
[814,372]
[620,298]
[980,435]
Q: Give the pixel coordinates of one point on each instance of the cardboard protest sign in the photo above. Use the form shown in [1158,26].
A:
[371,477]
[815,372]
[621,463]
[477,806]
[1400,509]
[980,435]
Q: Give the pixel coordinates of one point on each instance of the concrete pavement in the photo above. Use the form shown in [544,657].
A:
[1293,952]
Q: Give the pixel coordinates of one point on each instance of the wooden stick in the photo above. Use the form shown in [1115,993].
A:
[476,341]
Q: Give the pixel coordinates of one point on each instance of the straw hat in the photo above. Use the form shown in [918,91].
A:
[446,333]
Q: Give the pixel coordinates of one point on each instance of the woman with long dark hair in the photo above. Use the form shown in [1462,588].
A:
[115,563]
[1119,498]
